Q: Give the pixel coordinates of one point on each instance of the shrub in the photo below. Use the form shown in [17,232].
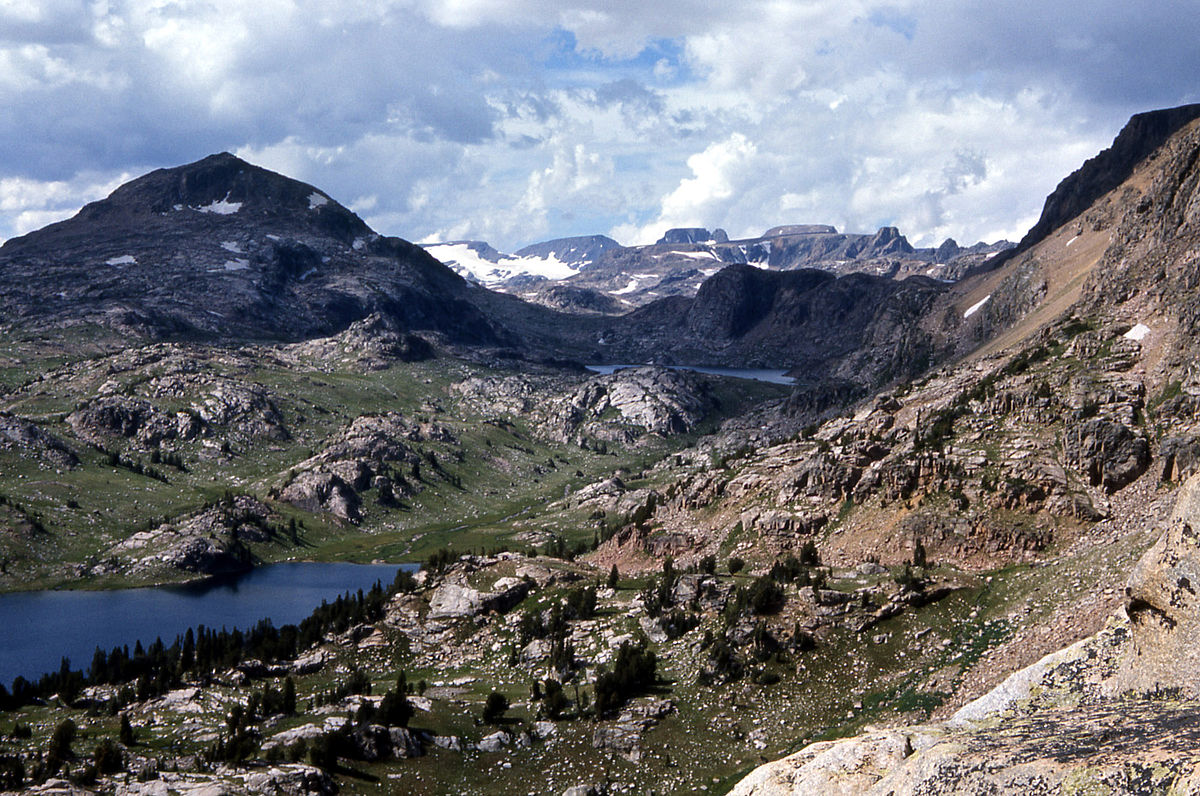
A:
[555,701]
[128,737]
[12,773]
[735,565]
[109,757]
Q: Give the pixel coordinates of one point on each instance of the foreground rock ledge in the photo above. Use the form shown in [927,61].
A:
[1118,712]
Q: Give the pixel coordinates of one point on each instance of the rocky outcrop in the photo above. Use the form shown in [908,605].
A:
[457,600]
[323,492]
[375,342]
[372,452]
[217,406]
[1144,133]
[209,542]
[614,407]
[692,235]
[1164,609]
[27,439]
[658,400]
[1179,456]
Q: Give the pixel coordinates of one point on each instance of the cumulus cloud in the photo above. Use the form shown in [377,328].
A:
[513,120]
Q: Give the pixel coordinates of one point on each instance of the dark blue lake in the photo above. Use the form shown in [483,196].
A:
[38,628]
[772,375]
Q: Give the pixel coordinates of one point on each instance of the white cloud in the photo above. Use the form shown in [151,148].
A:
[31,204]
[702,199]
[512,120]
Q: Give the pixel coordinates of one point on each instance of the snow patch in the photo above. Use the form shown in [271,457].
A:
[358,245]
[467,262]
[1072,240]
[124,259]
[307,274]
[316,200]
[237,265]
[974,308]
[231,246]
[1138,332]
[697,255]
[632,286]
[221,207]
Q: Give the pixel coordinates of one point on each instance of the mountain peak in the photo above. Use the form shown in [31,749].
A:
[215,191]
[224,184]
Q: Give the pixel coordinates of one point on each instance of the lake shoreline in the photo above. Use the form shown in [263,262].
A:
[45,625]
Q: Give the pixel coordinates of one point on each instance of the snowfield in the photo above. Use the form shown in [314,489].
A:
[468,262]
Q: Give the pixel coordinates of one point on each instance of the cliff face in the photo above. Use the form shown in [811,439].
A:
[859,328]
[1144,133]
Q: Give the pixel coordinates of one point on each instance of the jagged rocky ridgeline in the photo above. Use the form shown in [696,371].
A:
[1115,713]
[606,277]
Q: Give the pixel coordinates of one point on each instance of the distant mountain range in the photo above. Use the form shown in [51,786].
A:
[597,274]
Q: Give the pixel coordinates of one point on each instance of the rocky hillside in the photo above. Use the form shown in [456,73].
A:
[1117,712]
[857,328]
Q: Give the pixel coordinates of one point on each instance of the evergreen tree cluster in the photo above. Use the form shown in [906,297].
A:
[135,466]
[635,670]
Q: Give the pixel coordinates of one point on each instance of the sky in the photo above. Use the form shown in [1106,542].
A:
[517,121]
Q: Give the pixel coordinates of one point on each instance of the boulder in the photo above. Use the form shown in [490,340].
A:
[1108,453]
[293,779]
[455,600]
[494,742]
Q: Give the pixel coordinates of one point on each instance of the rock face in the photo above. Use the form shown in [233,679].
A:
[1164,610]
[1109,453]
[1113,713]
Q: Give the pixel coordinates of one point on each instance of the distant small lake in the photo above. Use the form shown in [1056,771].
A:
[38,628]
[757,374]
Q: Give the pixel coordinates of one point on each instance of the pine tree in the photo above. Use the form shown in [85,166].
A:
[128,737]
[289,696]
